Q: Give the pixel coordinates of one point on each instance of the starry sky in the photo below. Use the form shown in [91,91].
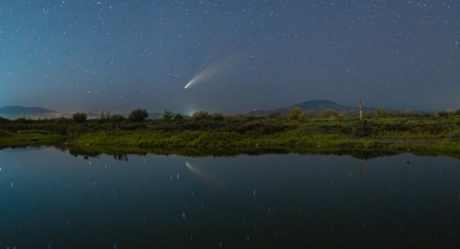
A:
[82,55]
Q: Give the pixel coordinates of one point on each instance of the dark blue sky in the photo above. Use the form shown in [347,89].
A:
[119,55]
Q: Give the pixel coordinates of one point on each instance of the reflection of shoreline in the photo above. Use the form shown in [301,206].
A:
[200,174]
[96,150]
[122,152]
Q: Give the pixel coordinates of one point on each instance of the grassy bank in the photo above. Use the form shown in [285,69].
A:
[203,140]
[217,133]
[26,138]
[417,134]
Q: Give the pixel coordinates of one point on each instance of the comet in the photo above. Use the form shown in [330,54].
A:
[212,70]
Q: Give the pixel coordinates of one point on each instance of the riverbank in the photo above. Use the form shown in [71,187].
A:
[422,134]
[27,138]
[217,140]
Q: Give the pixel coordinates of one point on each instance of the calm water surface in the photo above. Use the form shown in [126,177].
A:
[51,199]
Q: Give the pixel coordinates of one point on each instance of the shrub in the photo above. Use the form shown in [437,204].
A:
[117,118]
[138,115]
[382,113]
[217,117]
[309,114]
[4,120]
[201,115]
[23,121]
[361,128]
[329,113]
[178,117]
[167,115]
[294,114]
[79,117]
[274,115]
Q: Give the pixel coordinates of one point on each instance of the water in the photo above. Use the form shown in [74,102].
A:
[51,199]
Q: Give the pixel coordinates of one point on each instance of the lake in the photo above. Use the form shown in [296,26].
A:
[52,199]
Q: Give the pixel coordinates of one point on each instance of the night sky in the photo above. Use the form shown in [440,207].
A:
[244,54]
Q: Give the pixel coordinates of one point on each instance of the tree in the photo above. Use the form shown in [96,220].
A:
[294,114]
[217,117]
[308,114]
[201,115]
[79,117]
[381,113]
[178,117]
[117,118]
[274,115]
[239,117]
[138,115]
[167,115]
[4,120]
[104,115]
[329,114]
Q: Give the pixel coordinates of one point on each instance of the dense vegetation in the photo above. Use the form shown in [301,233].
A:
[294,129]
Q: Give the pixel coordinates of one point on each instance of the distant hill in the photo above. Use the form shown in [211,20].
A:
[318,106]
[14,112]
[24,110]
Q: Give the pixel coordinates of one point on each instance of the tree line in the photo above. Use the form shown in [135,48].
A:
[294,114]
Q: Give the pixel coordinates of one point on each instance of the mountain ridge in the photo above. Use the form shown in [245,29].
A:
[318,105]
[14,109]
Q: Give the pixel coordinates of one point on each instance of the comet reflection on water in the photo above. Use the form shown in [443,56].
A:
[204,177]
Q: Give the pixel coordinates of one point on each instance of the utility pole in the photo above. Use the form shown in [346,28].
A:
[360,110]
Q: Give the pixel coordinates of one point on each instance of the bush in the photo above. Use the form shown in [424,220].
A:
[138,115]
[294,114]
[79,117]
[329,114]
[201,115]
[23,121]
[382,113]
[308,114]
[361,129]
[4,120]
[217,117]
[274,115]
[178,117]
[117,118]
[167,115]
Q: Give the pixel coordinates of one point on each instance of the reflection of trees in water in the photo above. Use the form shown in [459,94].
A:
[90,151]
[368,154]
[122,153]
[121,157]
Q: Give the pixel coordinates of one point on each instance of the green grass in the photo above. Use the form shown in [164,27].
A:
[25,138]
[424,134]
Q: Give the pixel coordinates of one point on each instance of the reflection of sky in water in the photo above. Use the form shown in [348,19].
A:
[49,199]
